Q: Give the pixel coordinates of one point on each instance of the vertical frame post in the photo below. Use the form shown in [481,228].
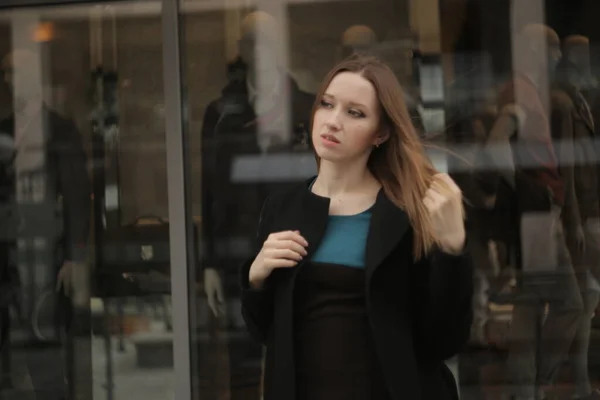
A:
[182,255]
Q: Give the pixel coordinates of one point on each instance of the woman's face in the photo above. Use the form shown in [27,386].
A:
[345,125]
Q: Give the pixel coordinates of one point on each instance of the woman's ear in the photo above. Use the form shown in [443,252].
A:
[382,136]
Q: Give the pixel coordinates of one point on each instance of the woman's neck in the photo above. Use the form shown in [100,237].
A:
[335,180]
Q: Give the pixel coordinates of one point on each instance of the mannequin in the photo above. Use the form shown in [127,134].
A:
[46,126]
[250,118]
[532,172]
[471,129]
[48,171]
[362,39]
[261,113]
[358,39]
[573,127]
[576,49]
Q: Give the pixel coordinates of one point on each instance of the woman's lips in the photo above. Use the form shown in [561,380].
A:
[329,140]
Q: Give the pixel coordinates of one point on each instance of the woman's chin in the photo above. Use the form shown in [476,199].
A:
[329,157]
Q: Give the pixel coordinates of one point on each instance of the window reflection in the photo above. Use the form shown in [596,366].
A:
[504,93]
[466,68]
[84,246]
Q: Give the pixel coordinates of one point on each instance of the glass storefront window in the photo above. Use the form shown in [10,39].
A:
[86,293]
[249,107]
[105,168]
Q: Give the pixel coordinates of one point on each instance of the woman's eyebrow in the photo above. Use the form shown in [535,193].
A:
[351,103]
[355,104]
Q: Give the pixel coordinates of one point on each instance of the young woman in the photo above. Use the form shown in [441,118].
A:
[360,287]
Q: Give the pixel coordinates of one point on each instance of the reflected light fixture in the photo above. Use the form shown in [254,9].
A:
[43,32]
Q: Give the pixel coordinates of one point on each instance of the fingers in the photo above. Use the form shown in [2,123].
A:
[219,293]
[434,195]
[216,300]
[284,249]
[441,190]
[287,245]
[289,235]
[212,305]
[280,263]
[283,253]
[433,199]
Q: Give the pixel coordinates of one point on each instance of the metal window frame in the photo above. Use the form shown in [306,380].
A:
[43,3]
[181,226]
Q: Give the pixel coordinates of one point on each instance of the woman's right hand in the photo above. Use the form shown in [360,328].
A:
[281,250]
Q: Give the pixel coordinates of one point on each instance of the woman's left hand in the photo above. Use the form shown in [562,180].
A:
[444,201]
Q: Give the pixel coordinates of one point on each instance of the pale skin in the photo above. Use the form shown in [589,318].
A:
[65,278]
[345,132]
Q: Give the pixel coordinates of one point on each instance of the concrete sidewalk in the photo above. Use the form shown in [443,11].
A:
[43,369]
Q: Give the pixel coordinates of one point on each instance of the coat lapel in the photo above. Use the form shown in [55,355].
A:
[581,105]
[309,214]
[586,114]
[389,224]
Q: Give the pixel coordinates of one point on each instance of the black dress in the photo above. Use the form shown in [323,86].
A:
[335,353]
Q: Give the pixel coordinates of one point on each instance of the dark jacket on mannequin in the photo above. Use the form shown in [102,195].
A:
[67,184]
[229,131]
[67,178]
[573,131]
[494,220]
[419,312]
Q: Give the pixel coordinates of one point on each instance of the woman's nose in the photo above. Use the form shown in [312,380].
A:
[333,120]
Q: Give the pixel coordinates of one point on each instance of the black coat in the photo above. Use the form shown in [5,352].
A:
[572,123]
[420,313]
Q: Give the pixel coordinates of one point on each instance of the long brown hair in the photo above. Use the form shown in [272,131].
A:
[400,164]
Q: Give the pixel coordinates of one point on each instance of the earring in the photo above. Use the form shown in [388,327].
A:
[377,145]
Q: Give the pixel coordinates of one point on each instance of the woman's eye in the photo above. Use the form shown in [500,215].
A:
[356,113]
[325,103]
